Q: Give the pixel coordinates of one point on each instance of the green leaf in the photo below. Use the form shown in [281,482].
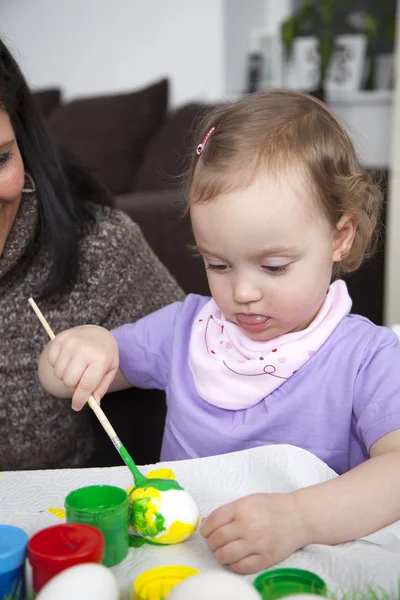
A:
[288,33]
[370,25]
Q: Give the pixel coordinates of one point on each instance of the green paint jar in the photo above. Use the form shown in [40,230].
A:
[107,508]
[279,583]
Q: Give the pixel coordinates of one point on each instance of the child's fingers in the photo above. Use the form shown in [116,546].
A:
[53,352]
[61,366]
[73,372]
[232,553]
[254,563]
[223,536]
[104,384]
[220,517]
[61,343]
[89,381]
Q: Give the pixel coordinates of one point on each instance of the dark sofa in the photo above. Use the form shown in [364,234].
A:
[139,150]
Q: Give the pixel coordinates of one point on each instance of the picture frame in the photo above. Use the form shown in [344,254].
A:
[301,71]
[345,73]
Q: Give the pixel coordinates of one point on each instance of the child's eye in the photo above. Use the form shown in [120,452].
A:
[217,267]
[4,158]
[280,269]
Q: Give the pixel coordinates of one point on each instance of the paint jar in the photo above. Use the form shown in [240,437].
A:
[156,583]
[13,542]
[280,583]
[107,508]
[57,548]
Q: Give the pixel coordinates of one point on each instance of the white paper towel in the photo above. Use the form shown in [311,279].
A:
[374,561]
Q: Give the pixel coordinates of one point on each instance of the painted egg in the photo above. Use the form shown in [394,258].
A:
[87,581]
[214,585]
[163,517]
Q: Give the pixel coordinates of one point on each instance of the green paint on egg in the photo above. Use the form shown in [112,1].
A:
[144,519]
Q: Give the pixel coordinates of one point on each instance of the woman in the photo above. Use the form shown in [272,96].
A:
[83,261]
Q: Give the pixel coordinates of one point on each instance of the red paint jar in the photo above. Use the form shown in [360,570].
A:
[57,548]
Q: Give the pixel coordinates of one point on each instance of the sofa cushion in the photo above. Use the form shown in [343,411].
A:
[169,151]
[108,135]
[47,100]
[167,229]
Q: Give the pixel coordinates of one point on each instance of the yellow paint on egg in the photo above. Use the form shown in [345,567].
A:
[148,492]
[177,532]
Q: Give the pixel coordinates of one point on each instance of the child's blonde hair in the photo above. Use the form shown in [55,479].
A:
[282,129]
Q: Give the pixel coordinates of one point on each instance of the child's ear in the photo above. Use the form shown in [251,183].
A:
[343,237]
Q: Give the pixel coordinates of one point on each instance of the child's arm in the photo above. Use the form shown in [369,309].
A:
[359,502]
[258,531]
[80,362]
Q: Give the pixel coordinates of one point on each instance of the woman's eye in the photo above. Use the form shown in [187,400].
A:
[280,269]
[217,267]
[4,158]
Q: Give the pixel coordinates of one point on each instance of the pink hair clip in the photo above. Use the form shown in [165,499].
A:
[200,147]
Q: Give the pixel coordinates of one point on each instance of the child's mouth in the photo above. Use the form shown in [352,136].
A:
[252,322]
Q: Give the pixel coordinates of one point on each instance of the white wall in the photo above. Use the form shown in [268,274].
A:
[241,17]
[94,46]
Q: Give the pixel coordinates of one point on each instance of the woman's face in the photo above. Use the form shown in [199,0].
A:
[11,177]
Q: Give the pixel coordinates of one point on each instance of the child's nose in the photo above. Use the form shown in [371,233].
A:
[246,291]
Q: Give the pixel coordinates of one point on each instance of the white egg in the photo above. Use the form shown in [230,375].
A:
[178,505]
[214,585]
[88,581]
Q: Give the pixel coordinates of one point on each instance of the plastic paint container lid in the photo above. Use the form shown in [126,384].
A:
[13,542]
[105,500]
[61,546]
[156,583]
[279,583]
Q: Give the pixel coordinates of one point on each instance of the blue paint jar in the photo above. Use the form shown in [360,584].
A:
[13,543]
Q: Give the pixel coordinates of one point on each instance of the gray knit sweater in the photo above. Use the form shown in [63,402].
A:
[119,280]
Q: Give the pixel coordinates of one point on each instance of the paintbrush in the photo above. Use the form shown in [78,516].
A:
[138,477]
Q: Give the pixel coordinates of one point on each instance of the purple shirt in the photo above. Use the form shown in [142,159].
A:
[336,406]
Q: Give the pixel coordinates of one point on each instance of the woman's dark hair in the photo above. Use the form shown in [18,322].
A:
[64,191]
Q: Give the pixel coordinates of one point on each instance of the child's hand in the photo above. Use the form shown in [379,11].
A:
[256,532]
[85,359]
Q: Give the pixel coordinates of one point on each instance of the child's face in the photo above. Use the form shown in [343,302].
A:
[268,254]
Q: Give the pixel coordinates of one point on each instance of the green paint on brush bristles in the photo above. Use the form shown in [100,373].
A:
[141,481]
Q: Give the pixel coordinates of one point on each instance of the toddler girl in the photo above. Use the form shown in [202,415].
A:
[280,209]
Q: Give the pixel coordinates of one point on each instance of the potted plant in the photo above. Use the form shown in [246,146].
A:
[325,20]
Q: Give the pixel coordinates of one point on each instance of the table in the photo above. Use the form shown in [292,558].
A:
[32,500]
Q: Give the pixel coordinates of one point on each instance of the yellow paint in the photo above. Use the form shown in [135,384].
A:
[140,493]
[1,474]
[178,532]
[161,474]
[156,583]
[58,512]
